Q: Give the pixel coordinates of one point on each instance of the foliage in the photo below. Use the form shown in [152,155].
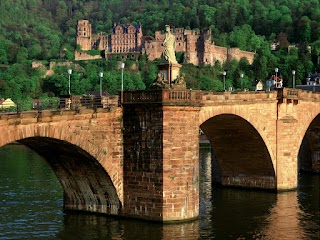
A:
[41,29]
[94,52]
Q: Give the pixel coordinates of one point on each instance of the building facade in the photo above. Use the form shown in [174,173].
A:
[128,41]
[197,47]
[88,41]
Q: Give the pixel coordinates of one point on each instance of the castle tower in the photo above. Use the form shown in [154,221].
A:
[139,36]
[207,59]
[191,54]
[84,34]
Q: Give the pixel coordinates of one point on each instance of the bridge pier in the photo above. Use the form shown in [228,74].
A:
[287,153]
[161,161]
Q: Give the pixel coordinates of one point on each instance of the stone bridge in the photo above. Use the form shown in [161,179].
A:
[142,159]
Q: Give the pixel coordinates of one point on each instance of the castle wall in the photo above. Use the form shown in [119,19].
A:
[248,55]
[197,45]
[218,54]
[153,49]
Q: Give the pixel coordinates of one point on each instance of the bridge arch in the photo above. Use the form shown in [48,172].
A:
[80,166]
[309,148]
[241,157]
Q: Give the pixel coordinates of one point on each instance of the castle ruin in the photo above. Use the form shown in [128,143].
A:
[127,41]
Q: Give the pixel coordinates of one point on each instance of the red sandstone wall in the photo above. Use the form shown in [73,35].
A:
[98,134]
[237,54]
[218,53]
[161,171]
[180,163]
[255,108]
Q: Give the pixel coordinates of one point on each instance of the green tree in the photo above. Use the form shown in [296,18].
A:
[209,84]
[304,30]
[3,56]
[22,55]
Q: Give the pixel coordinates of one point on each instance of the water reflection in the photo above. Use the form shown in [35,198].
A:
[284,218]
[31,207]
[243,214]
[81,226]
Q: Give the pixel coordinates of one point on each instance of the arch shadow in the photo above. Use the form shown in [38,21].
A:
[240,157]
[309,151]
[86,184]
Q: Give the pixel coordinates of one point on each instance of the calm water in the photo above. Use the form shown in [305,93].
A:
[31,201]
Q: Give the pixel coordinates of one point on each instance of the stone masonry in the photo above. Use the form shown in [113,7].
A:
[141,160]
[84,149]
[160,167]
[128,41]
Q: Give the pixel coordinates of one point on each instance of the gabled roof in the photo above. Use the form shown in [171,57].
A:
[126,27]
[7,103]
[314,76]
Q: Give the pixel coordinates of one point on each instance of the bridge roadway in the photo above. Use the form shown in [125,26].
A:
[142,159]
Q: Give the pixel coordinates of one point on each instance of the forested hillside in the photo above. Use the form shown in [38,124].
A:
[46,26]
[40,29]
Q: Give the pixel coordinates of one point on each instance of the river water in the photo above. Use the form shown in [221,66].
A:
[31,207]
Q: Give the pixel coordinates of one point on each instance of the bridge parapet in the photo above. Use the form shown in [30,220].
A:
[164,96]
[298,94]
[227,97]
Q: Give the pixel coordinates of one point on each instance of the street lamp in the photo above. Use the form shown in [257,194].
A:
[293,79]
[101,76]
[241,75]
[224,80]
[69,72]
[122,67]
[276,80]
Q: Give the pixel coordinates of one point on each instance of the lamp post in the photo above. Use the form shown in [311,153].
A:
[69,72]
[293,79]
[122,67]
[101,76]
[224,80]
[276,80]
[241,75]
